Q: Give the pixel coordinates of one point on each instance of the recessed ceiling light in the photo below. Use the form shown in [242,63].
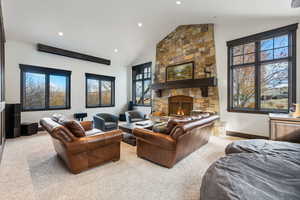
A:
[140,24]
[60,33]
[178,2]
[116,50]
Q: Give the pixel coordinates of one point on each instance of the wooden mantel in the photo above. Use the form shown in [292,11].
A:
[203,84]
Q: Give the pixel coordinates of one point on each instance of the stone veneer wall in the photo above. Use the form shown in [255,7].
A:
[187,43]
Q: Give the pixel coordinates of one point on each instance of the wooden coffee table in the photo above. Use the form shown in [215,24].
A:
[128,137]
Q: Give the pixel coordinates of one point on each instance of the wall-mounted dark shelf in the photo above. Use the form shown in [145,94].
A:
[203,84]
[72,54]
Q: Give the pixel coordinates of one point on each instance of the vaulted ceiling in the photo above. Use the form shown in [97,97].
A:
[99,27]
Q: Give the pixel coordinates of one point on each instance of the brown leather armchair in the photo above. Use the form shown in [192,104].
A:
[81,153]
[183,139]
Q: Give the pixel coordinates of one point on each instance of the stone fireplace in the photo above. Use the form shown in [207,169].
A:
[187,43]
[180,105]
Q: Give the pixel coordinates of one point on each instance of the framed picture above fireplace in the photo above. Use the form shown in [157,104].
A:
[179,72]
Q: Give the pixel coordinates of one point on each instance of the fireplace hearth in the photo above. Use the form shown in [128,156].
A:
[180,105]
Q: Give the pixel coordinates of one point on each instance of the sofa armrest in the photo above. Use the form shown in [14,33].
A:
[87,125]
[93,142]
[157,139]
[99,123]
[75,147]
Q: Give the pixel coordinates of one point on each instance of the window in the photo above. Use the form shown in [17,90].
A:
[44,88]
[262,71]
[141,84]
[100,91]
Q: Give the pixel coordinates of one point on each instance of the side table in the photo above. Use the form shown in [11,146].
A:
[128,137]
[28,128]
[283,126]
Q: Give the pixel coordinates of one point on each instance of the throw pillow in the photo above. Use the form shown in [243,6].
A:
[58,117]
[160,128]
[171,124]
[75,127]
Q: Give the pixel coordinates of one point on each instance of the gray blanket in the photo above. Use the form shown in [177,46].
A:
[285,150]
[271,172]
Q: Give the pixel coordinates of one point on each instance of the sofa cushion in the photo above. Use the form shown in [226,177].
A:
[189,124]
[168,127]
[75,127]
[93,132]
[136,120]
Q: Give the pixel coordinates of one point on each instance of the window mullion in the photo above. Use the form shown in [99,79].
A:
[133,74]
[68,92]
[100,92]
[292,90]
[47,91]
[134,92]
[230,61]
[112,93]
[257,76]
[143,82]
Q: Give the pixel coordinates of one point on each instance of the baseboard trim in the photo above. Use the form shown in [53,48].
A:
[245,135]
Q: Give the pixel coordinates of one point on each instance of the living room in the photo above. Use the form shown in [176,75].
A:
[153,100]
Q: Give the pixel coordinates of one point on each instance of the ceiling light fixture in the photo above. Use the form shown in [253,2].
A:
[140,24]
[178,2]
[60,33]
[116,50]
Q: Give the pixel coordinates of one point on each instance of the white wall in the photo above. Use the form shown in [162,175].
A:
[255,124]
[24,53]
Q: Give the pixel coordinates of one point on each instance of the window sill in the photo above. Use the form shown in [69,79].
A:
[142,105]
[48,109]
[100,106]
[256,112]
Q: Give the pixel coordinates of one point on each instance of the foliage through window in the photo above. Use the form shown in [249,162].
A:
[262,76]
[100,91]
[44,88]
[141,84]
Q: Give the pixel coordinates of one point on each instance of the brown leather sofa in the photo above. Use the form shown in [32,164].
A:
[184,138]
[81,153]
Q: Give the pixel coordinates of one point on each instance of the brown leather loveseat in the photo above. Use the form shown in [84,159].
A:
[89,150]
[184,137]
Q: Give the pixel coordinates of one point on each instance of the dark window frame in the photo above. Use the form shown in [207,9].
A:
[291,30]
[100,78]
[47,72]
[135,69]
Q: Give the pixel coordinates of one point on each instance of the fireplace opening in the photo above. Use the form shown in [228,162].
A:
[180,105]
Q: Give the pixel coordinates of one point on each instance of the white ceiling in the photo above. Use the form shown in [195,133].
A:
[98,27]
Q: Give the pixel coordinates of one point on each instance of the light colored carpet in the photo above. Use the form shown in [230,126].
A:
[30,170]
